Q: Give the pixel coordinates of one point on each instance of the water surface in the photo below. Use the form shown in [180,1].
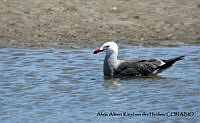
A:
[59,85]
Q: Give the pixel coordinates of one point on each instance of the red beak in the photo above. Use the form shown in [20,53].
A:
[97,51]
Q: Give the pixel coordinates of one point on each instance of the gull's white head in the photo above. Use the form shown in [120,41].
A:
[108,47]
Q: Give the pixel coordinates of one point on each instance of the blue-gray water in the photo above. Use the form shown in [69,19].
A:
[64,85]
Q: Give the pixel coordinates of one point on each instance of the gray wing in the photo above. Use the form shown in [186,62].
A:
[138,67]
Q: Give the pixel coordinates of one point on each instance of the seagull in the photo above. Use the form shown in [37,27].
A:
[133,67]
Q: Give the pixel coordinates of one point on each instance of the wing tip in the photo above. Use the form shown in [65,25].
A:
[180,58]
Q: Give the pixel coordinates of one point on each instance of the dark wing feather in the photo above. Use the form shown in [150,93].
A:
[169,63]
[137,67]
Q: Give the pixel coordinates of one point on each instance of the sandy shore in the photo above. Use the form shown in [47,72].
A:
[64,23]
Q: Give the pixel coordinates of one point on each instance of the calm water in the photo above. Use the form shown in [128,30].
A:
[57,85]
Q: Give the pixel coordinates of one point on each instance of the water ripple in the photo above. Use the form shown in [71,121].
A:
[57,85]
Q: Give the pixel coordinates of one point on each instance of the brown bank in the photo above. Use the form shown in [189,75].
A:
[65,23]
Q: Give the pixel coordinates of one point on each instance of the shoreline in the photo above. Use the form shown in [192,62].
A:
[77,45]
[52,23]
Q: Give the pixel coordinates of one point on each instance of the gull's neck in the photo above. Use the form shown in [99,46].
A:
[110,63]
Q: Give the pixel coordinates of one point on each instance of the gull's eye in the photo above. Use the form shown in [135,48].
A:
[107,46]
